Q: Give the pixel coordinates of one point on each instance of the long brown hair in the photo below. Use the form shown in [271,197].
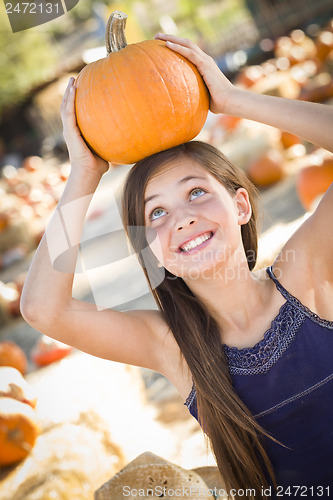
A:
[235,436]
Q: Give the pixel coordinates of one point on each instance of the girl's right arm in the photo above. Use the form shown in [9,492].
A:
[132,337]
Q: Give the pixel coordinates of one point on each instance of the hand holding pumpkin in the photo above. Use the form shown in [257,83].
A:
[81,157]
[220,88]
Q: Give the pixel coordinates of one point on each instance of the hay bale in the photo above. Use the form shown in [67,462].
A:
[68,462]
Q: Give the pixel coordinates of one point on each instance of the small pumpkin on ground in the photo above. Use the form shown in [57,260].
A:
[288,140]
[48,350]
[141,99]
[18,430]
[12,355]
[313,181]
[13,385]
[267,169]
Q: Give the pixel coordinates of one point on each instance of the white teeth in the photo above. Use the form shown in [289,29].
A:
[194,243]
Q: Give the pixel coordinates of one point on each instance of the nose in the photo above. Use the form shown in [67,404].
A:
[186,221]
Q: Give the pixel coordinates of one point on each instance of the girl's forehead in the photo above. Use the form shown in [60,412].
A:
[177,170]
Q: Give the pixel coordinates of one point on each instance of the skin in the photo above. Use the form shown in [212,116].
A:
[250,300]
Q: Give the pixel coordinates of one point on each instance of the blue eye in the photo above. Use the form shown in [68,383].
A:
[198,189]
[153,216]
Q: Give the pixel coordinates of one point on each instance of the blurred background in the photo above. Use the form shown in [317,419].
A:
[277,47]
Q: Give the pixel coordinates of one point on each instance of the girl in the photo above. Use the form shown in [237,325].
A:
[249,351]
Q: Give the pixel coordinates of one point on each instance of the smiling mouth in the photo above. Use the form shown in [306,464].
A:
[196,242]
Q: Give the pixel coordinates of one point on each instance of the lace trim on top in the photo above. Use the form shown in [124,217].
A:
[263,355]
[317,319]
[191,396]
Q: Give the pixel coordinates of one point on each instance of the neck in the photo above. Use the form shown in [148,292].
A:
[234,296]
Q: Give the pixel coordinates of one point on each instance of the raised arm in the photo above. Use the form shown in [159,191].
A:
[132,337]
[310,121]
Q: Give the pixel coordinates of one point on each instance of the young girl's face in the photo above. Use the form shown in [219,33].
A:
[193,222]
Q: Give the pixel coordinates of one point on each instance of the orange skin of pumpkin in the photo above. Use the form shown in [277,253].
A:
[18,431]
[12,355]
[45,357]
[139,100]
[267,169]
[288,140]
[314,181]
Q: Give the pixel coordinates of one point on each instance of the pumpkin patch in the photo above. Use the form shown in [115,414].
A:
[142,98]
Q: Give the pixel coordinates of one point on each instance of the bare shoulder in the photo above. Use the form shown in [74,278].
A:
[305,264]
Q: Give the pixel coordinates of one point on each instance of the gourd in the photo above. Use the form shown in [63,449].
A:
[141,99]
[313,181]
[12,355]
[18,430]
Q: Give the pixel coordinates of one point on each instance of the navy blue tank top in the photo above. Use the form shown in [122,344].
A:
[286,381]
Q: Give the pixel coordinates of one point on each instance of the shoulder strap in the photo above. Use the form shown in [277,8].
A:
[278,285]
[297,303]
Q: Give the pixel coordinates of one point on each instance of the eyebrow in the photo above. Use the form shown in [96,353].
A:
[185,179]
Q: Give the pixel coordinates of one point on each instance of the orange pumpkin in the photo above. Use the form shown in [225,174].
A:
[288,140]
[267,169]
[13,385]
[142,98]
[324,45]
[313,181]
[48,350]
[18,431]
[12,355]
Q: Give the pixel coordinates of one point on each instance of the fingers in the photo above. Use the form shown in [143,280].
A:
[188,49]
[177,40]
[67,108]
[67,93]
[67,105]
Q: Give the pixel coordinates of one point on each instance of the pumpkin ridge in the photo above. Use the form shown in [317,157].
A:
[124,98]
[165,143]
[177,114]
[162,79]
[92,76]
[143,143]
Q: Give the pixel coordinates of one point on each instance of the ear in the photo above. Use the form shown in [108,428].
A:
[243,206]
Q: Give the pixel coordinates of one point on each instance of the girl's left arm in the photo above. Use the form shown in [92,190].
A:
[310,121]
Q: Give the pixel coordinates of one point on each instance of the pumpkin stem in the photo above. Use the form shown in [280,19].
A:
[115,32]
